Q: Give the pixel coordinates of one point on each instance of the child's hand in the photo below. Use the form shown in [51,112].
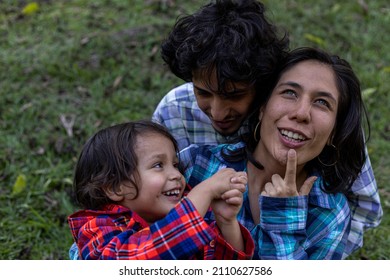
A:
[224,180]
[227,208]
[229,204]
[227,183]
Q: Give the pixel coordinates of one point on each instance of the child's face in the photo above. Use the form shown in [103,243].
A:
[161,184]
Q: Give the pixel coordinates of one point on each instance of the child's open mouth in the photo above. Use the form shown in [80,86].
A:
[175,192]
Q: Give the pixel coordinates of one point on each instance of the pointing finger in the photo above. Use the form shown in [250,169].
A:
[291,169]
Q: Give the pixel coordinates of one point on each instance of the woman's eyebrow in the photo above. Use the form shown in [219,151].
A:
[291,84]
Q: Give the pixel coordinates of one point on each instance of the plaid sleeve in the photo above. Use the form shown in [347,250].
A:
[225,251]
[366,209]
[180,235]
[289,230]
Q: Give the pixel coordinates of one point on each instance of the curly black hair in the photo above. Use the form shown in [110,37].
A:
[233,38]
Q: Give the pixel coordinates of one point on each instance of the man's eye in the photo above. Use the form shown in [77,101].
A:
[202,93]
[234,97]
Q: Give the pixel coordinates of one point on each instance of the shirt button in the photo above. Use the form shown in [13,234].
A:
[212,243]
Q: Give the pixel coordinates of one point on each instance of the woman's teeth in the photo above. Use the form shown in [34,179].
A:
[292,135]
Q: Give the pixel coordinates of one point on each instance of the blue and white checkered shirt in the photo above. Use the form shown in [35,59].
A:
[179,112]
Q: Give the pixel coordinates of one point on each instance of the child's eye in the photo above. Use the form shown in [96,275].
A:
[157,165]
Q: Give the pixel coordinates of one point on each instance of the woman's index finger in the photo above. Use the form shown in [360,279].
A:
[291,168]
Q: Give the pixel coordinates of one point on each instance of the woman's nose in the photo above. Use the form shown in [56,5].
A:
[301,111]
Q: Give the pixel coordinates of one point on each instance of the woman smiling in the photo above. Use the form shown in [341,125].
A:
[306,150]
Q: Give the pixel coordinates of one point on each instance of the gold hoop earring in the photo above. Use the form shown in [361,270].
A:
[255,132]
[337,157]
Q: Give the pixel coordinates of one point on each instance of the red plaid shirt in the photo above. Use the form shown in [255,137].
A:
[118,233]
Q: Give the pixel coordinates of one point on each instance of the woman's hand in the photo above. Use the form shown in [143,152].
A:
[287,187]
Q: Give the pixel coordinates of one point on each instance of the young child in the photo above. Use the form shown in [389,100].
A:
[128,182]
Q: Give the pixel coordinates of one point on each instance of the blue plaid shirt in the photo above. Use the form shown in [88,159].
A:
[179,112]
[301,227]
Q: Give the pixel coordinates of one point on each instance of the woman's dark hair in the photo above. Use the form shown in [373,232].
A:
[339,166]
[233,38]
[108,159]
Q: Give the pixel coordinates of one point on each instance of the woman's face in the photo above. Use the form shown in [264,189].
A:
[301,112]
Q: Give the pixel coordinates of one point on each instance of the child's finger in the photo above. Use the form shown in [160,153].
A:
[241,173]
[240,180]
[240,187]
[240,177]
[231,193]
[235,201]
[233,197]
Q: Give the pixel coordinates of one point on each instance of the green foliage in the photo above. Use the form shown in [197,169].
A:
[69,68]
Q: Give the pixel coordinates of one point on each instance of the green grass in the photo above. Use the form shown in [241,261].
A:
[99,64]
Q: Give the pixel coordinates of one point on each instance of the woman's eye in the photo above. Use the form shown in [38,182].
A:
[323,102]
[290,93]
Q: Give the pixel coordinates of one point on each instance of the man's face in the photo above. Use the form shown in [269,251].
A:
[226,110]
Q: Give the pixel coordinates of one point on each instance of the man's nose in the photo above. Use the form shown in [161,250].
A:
[219,108]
